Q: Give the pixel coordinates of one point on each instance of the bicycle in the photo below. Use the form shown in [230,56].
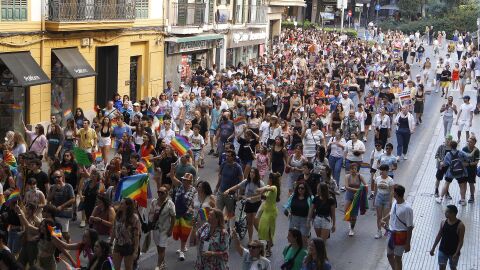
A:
[241,220]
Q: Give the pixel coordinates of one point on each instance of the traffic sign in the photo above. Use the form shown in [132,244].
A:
[377,7]
[349,13]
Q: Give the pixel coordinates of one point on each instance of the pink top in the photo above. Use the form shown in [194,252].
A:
[39,145]
[262,164]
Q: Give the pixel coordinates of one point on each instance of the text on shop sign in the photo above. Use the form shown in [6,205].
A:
[243,36]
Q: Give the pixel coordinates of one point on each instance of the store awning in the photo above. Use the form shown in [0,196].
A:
[24,68]
[194,38]
[75,63]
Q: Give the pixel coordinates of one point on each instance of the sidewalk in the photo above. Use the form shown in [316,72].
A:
[428,214]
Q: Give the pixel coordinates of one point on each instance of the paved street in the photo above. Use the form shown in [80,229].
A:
[363,251]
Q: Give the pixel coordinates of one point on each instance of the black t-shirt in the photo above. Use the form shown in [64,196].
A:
[312,182]
[322,207]
[42,179]
[445,76]
[299,207]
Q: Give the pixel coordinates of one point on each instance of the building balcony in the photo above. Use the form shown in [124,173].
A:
[288,3]
[256,14]
[188,14]
[71,15]
[250,14]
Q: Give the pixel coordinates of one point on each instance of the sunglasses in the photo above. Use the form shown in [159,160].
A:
[161,192]
[253,247]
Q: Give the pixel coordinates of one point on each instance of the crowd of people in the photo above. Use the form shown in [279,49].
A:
[289,121]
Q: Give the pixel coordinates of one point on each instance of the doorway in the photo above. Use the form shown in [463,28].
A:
[134,62]
[107,74]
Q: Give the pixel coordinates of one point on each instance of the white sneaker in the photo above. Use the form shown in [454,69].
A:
[405,157]
[398,158]
[379,234]
[181,256]
[343,189]
[82,224]
[179,250]
[351,233]
[462,202]
[438,200]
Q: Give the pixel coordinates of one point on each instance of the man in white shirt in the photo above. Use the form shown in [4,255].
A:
[178,111]
[346,102]
[465,117]
[166,133]
[400,228]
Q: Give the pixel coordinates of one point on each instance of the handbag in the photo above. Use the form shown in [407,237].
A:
[289,264]
[150,225]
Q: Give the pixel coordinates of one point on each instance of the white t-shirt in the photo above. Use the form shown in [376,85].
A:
[466,110]
[350,147]
[336,150]
[167,136]
[375,155]
[176,108]
[383,185]
[261,263]
[401,216]
[196,141]
[264,131]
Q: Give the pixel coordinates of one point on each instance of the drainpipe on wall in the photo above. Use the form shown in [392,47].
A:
[42,42]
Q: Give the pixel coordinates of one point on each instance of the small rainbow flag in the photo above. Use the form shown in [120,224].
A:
[16,107]
[67,113]
[55,231]
[15,195]
[97,156]
[67,170]
[180,144]
[134,187]
[10,160]
[203,214]
[239,121]
[148,164]
[114,123]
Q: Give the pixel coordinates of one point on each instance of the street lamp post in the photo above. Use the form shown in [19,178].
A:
[478,34]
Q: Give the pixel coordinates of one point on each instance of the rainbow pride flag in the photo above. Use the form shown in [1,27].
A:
[67,113]
[203,214]
[180,144]
[55,231]
[10,160]
[239,121]
[148,164]
[97,156]
[359,203]
[16,107]
[134,187]
[14,196]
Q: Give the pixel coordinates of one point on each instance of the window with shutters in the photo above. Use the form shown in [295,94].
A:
[14,10]
[141,9]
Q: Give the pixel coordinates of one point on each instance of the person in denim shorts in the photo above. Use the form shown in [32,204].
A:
[382,188]
[450,236]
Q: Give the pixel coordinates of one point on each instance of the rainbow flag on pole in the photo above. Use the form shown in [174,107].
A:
[134,187]
[239,121]
[148,164]
[359,203]
[10,160]
[14,196]
[180,144]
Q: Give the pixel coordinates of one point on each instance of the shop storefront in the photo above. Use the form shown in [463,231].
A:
[188,53]
[245,46]
[18,71]
[68,65]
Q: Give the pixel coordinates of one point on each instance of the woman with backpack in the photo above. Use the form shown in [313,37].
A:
[454,161]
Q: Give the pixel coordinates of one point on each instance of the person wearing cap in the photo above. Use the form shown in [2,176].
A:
[253,255]
[465,117]
[183,197]
[346,102]
[450,236]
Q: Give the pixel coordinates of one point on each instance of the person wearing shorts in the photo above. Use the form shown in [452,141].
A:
[382,187]
[450,236]
[400,228]
[61,195]
[162,216]
[465,117]
[471,165]
[322,213]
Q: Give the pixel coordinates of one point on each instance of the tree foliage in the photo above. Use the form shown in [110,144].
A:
[409,8]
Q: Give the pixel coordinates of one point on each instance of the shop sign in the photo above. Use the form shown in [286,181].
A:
[193,46]
[244,36]
[31,78]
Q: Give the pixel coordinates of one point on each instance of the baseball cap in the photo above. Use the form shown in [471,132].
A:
[136,104]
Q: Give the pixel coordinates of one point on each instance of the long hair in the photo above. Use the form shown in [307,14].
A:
[275,179]
[323,191]
[256,178]
[308,193]
[320,251]
[298,237]
[100,260]
[207,189]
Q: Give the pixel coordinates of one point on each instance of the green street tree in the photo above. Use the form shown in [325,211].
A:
[409,8]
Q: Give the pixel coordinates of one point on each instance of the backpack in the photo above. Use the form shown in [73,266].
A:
[456,166]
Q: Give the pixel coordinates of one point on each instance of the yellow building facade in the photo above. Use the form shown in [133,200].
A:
[118,53]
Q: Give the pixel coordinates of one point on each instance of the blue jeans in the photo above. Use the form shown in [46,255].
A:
[403,139]
[335,164]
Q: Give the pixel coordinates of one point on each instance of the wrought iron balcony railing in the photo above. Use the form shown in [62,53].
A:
[90,10]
